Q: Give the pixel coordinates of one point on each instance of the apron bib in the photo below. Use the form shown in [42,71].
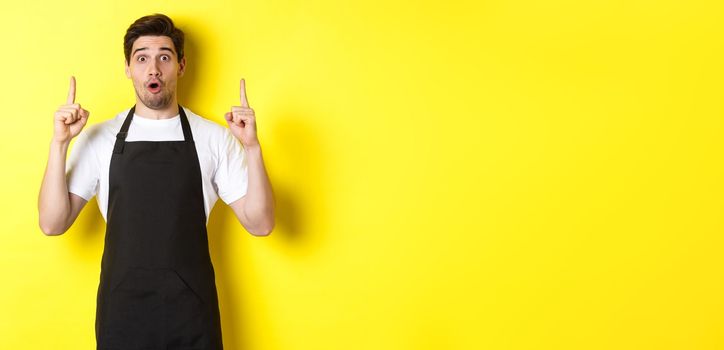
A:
[157,288]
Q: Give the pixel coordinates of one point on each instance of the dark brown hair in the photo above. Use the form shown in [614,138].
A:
[153,25]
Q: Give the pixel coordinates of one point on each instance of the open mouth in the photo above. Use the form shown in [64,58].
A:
[154,87]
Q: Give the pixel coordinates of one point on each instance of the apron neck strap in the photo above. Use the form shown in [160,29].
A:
[123,133]
[188,137]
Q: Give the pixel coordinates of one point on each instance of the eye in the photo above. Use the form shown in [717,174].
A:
[165,58]
[141,58]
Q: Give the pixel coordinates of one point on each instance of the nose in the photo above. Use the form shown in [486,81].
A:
[153,70]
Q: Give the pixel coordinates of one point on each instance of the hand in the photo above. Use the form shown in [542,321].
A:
[70,118]
[242,121]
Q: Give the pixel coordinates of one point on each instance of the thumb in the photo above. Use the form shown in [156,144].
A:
[84,116]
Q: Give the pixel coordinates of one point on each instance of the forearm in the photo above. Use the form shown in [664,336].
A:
[259,203]
[53,201]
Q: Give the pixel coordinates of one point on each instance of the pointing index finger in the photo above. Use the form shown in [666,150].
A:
[242,89]
[71,91]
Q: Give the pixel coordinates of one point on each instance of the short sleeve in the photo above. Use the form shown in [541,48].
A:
[82,171]
[231,176]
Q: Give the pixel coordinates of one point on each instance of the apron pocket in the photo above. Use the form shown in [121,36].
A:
[187,319]
[181,284]
[135,310]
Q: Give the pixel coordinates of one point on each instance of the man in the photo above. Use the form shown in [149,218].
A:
[157,170]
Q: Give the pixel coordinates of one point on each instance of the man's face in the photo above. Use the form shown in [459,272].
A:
[155,69]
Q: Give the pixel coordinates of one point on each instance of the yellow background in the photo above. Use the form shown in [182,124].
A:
[449,174]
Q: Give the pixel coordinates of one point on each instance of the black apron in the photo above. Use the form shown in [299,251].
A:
[157,288]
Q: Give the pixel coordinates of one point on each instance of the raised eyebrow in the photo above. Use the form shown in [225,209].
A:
[164,48]
[168,49]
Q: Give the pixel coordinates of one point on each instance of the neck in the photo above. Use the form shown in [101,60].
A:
[167,112]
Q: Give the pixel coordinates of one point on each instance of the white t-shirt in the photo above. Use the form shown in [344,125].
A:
[224,169]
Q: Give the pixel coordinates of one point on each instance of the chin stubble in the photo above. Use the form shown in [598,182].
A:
[154,102]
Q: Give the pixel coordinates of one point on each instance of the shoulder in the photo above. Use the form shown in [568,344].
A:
[104,131]
[206,130]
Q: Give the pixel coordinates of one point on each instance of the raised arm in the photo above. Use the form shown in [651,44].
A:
[57,208]
[255,210]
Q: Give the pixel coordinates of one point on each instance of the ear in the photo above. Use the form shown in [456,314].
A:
[182,67]
[128,69]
